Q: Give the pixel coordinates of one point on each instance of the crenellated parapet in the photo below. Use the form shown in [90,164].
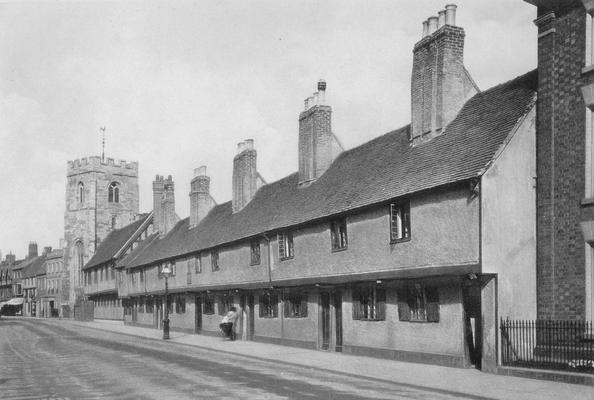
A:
[95,163]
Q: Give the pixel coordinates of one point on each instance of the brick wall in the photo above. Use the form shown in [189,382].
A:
[315,142]
[560,163]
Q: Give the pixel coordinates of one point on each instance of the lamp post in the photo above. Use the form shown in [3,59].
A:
[166,272]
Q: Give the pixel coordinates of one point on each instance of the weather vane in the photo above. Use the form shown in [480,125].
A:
[102,143]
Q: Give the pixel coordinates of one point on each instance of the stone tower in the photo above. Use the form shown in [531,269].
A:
[101,195]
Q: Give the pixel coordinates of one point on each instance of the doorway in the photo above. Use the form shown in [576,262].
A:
[338,320]
[247,320]
[471,298]
[325,316]
[158,314]
[198,323]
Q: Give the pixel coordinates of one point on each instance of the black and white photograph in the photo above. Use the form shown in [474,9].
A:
[307,199]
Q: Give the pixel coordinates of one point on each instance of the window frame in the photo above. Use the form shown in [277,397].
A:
[113,192]
[224,303]
[373,308]
[285,242]
[268,305]
[339,240]
[208,302]
[404,225]
[180,304]
[214,260]
[411,309]
[255,252]
[295,304]
[198,263]
[80,193]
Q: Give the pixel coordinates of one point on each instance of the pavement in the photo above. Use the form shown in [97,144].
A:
[468,381]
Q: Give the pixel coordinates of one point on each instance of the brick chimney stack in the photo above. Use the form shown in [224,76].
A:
[47,250]
[318,147]
[245,174]
[32,250]
[440,84]
[200,200]
[163,204]
[169,219]
[10,259]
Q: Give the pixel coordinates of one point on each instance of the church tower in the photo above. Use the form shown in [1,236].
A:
[101,195]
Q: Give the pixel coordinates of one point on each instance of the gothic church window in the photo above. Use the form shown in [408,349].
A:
[81,192]
[113,193]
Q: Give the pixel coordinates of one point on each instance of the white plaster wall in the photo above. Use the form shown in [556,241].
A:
[509,222]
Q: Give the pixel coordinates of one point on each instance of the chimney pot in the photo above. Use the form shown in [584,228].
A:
[322,92]
[425,28]
[240,147]
[200,171]
[432,24]
[450,14]
[249,144]
[310,101]
[441,18]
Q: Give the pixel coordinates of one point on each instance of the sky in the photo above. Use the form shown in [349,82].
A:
[178,84]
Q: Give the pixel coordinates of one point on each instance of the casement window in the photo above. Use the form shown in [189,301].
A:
[418,302]
[369,303]
[180,305]
[95,276]
[113,193]
[268,305]
[189,274]
[149,305]
[400,221]
[198,264]
[285,245]
[170,304]
[295,305]
[214,260]
[255,252]
[112,269]
[141,305]
[208,304]
[338,234]
[141,273]
[225,303]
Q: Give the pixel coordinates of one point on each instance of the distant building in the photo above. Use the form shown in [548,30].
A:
[53,290]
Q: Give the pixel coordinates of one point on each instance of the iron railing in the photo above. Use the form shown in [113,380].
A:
[548,344]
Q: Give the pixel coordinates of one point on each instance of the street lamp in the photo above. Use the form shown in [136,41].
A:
[166,272]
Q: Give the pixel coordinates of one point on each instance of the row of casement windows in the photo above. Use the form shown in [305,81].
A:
[147,305]
[99,275]
[399,231]
[417,302]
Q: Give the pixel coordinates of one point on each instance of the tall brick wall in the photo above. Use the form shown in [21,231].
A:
[91,221]
[560,162]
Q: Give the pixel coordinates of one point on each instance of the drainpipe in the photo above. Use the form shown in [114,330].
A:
[269,260]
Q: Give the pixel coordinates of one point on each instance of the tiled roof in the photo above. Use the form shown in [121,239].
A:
[114,242]
[34,267]
[377,171]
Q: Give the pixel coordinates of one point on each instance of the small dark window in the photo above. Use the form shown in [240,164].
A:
[338,234]
[113,193]
[255,252]
[399,221]
[418,303]
[369,303]
[198,264]
[149,305]
[285,245]
[225,303]
[113,222]
[295,305]
[208,304]
[214,260]
[180,305]
[268,305]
